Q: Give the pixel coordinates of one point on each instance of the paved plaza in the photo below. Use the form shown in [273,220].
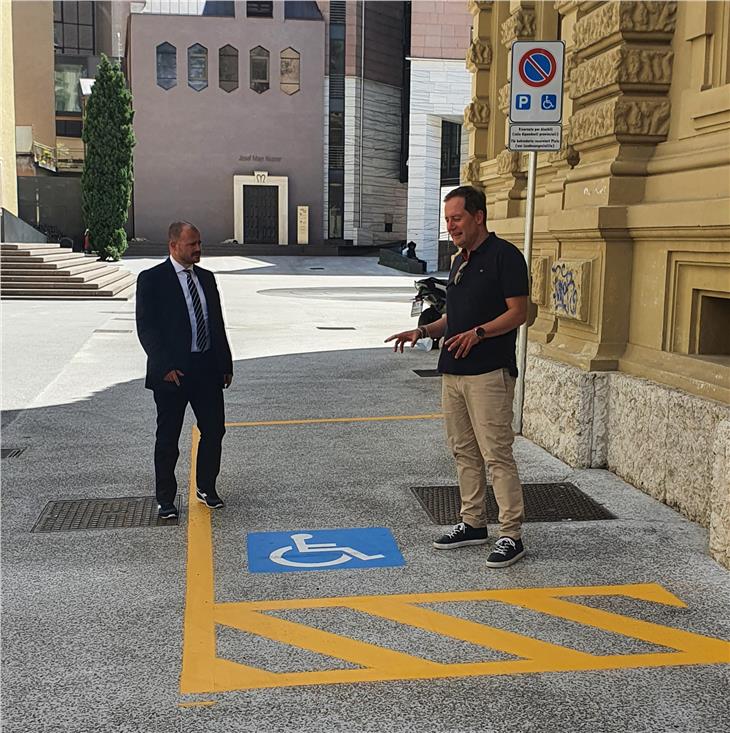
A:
[605,626]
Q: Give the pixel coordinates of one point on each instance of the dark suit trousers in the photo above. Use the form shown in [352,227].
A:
[202,387]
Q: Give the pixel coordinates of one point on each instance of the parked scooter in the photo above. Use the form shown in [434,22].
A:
[431,291]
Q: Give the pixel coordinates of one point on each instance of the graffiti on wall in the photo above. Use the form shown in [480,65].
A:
[570,284]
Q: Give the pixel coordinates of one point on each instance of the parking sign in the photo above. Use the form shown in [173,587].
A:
[536,92]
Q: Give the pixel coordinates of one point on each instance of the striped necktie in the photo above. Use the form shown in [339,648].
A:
[202,332]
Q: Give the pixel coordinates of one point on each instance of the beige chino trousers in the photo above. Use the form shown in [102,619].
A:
[478,416]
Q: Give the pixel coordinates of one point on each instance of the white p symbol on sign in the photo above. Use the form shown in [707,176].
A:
[522,101]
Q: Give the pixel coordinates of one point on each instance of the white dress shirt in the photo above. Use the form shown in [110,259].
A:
[182,278]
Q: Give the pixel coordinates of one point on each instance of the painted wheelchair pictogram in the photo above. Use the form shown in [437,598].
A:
[537,67]
[300,546]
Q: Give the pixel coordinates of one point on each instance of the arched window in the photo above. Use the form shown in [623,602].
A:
[228,68]
[166,66]
[259,69]
[289,79]
[197,67]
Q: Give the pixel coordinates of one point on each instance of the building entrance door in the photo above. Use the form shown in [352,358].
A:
[260,214]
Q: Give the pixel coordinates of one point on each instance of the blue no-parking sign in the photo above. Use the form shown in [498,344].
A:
[536,86]
[322,549]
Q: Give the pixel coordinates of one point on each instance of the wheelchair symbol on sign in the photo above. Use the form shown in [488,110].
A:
[300,543]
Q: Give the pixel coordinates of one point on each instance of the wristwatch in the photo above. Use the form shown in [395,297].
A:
[481,333]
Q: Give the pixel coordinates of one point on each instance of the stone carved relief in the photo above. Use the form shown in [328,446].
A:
[565,6]
[622,65]
[538,290]
[470,171]
[569,64]
[503,96]
[508,162]
[567,153]
[479,55]
[474,6]
[476,114]
[570,289]
[622,16]
[520,25]
[635,117]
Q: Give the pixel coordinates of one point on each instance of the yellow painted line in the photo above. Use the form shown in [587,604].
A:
[204,672]
[323,420]
[199,638]
[201,704]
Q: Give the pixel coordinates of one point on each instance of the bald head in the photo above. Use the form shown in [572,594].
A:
[184,243]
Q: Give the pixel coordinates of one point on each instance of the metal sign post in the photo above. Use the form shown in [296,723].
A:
[536,109]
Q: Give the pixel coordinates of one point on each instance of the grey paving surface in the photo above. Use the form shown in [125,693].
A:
[92,623]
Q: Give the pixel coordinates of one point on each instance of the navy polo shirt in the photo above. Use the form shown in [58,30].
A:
[494,271]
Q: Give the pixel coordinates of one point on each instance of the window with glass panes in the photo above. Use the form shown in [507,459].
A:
[73,28]
[259,69]
[228,68]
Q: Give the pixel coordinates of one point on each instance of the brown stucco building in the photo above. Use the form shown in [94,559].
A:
[229,123]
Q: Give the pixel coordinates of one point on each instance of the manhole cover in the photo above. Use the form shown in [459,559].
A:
[68,515]
[427,372]
[11,452]
[543,503]
[336,328]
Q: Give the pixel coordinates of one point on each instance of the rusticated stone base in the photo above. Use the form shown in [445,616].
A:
[720,504]
[566,411]
[672,445]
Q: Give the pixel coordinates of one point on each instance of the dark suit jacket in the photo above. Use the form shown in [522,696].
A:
[163,323]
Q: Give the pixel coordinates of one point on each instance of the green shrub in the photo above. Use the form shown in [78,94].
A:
[106,181]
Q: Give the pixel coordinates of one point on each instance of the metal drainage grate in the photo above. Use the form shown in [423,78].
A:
[69,515]
[316,268]
[427,372]
[111,330]
[543,503]
[11,452]
[336,328]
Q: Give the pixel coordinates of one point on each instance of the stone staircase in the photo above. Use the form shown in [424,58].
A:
[52,272]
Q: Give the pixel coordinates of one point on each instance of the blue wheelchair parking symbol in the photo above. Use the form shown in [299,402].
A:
[549,101]
[522,101]
[334,549]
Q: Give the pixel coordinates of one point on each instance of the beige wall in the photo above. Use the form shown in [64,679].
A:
[439,29]
[33,62]
[8,186]
[632,217]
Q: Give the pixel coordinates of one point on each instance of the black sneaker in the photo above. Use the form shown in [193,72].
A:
[505,552]
[167,511]
[460,536]
[209,498]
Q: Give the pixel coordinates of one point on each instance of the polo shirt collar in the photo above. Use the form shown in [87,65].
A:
[466,254]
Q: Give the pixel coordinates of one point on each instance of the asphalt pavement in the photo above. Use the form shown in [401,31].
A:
[606,625]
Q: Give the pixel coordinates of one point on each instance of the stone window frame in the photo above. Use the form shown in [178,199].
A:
[166,49]
[290,54]
[195,52]
[228,52]
[261,83]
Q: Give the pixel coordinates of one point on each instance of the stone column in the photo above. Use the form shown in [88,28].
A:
[519,25]
[478,113]
[618,84]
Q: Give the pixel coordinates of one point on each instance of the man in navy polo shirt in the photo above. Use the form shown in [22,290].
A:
[486,302]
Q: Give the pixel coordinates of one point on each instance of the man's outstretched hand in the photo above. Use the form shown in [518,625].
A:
[404,337]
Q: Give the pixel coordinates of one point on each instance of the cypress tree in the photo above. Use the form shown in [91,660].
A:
[106,181]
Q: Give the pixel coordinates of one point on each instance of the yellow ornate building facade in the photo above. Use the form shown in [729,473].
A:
[8,190]
[629,358]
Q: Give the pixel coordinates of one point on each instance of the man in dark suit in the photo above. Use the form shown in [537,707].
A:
[180,326]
